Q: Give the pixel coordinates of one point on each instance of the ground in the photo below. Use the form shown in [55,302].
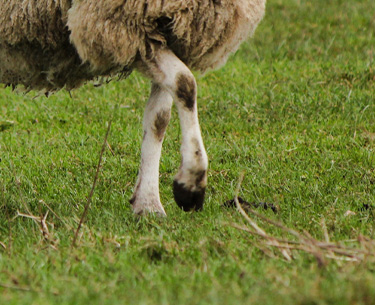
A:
[293,110]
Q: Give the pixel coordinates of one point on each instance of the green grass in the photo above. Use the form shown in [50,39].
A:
[294,109]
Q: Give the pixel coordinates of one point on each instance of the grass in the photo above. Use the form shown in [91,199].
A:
[294,109]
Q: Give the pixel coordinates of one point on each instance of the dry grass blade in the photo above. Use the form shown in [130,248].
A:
[304,241]
[16,288]
[42,221]
[110,149]
[261,232]
[246,229]
[54,213]
[87,206]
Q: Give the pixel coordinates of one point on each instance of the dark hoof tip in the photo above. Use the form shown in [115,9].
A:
[186,199]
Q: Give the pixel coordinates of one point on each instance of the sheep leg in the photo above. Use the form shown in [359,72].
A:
[190,182]
[146,199]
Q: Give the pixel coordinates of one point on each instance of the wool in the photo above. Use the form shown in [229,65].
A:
[52,44]
[202,33]
[35,50]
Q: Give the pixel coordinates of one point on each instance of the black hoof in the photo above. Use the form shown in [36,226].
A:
[186,199]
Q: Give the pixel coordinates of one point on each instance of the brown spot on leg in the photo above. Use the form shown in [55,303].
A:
[161,123]
[197,149]
[186,90]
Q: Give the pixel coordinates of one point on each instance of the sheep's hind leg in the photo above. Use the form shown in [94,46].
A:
[146,199]
[190,182]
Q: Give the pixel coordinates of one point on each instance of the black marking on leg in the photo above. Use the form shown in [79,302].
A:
[134,197]
[161,123]
[186,90]
[200,178]
[132,200]
[186,199]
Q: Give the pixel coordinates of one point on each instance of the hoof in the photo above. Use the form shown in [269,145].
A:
[188,200]
[153,208]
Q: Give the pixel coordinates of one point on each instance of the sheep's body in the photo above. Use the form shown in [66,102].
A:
[111,36]
[202,33]
[54,44]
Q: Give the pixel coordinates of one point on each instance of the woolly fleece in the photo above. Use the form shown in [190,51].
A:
[51,44]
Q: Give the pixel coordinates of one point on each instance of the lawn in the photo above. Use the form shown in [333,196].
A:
[293,110]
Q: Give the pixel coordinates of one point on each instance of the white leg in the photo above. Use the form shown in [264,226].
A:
[190,182]
[146,197]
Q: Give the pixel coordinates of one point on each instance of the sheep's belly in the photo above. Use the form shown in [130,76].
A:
[29,65]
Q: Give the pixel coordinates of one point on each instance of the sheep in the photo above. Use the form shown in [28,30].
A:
[48,45]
